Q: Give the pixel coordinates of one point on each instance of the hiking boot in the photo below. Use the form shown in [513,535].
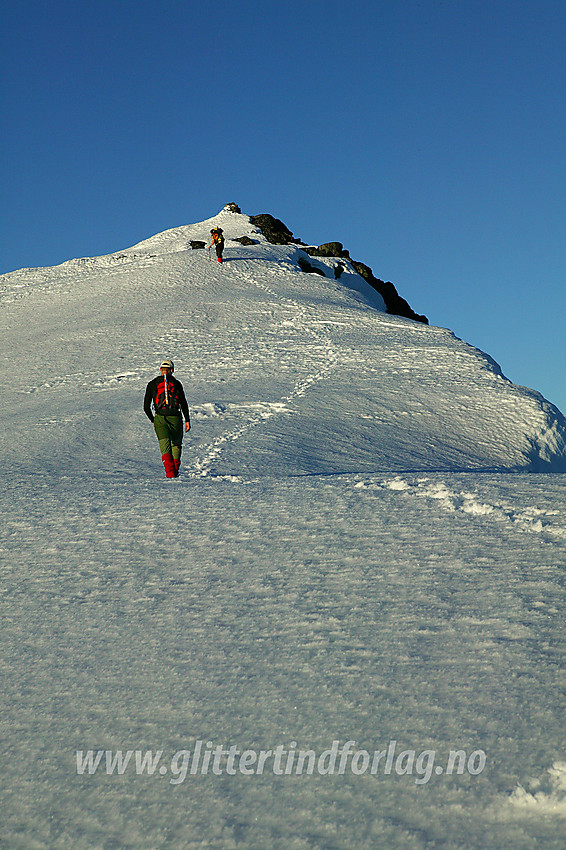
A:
[169,465]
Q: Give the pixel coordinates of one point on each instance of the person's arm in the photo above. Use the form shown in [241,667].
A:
[147,401]
[184,408]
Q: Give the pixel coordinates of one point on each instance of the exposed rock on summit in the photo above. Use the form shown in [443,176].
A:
[279,234]
[393,301]
[274,230]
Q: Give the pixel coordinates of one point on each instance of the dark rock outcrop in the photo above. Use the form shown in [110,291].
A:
[279,234]
[328,249]
[305,266]
[245,240]
[195,243]
[232,207]
[393,301]
[274,230]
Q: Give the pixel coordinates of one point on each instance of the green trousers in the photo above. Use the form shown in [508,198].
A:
[169,430]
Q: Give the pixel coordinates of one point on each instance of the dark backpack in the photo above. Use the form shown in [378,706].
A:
[166,400]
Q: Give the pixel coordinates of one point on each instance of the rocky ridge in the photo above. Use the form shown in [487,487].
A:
[278,233]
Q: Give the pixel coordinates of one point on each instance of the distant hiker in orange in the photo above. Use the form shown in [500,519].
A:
[218,241]
[165,405]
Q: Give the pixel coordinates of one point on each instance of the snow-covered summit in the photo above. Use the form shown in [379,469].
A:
[286,372]
[178,238]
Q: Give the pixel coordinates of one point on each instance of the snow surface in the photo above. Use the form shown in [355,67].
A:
[364,544]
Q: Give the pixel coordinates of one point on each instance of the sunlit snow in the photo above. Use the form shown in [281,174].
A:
[367,543]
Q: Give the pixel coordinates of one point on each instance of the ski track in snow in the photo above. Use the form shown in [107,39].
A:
[529,520]
[201,466]
[86,381]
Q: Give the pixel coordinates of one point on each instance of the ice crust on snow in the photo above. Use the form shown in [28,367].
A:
[527,519]
[544,796]
[362,545]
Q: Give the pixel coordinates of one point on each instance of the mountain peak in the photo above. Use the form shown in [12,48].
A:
[290,362]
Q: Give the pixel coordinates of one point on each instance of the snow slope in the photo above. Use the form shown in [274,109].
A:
[361,546]
[292,373]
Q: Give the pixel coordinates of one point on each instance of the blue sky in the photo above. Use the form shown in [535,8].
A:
[429,137]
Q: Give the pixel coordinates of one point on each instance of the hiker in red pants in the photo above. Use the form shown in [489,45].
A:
[218,241]
[165,405]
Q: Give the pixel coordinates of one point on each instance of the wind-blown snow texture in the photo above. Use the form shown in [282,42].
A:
[361,546]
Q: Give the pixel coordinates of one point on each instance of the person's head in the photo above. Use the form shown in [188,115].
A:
[167,367]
